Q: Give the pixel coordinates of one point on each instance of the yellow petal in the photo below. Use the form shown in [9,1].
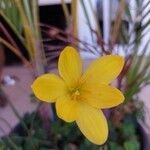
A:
[67,109]
[70,65]
[93,124]
[101,96]
[104,69]
[48,87]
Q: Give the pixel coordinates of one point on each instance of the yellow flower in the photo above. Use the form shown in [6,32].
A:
[79,97]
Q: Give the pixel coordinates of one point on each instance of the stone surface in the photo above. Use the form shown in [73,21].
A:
[19,94]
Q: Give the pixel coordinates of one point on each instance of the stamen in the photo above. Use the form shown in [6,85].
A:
[77,92]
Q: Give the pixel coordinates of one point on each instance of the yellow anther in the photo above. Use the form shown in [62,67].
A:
[77,92]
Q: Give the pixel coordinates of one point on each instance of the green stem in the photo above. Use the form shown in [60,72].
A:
[6,122]
[18,116]
[13,145]
[33,118]
[66,12]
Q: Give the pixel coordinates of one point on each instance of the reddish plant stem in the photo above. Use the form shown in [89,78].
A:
[8,35]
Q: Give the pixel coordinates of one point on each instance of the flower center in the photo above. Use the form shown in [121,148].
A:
[74,92]
[77,93]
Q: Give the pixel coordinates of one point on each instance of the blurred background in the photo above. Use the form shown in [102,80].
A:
[32,35]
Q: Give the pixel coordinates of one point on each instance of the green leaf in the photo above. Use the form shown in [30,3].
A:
[31,144]
[128,130]
[9,9]
[2,145]
[132,145]
[115,146]
[130,92]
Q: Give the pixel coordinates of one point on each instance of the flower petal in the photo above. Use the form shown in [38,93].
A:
[70,65]
[67,109]
[101,96]
[93,124]
[104,69]
[48,87]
